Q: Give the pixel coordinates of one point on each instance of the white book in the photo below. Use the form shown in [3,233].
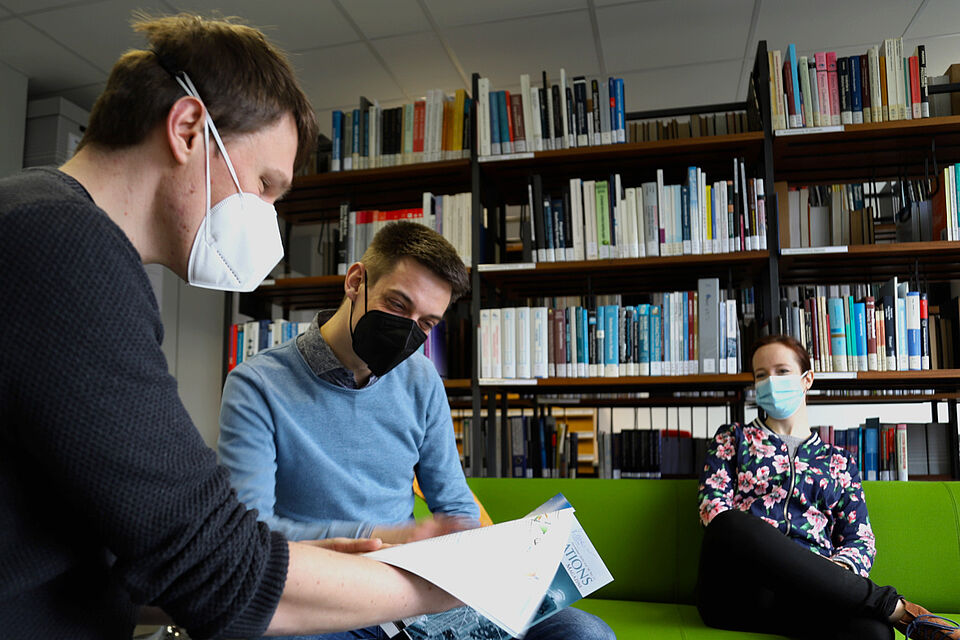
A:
[251,338]
[950,204]
[276,333]
[873,70]
[630,222]
[429,106]
[486,337]
[651,222]
[725,217]
[576,207]
[590,218]
[661,216]
[535,123]
[527,111]
[508,341]
[496,347]
[539,347]
[732,326]
[913,325]
[641,223]
[524,368]
[709,327]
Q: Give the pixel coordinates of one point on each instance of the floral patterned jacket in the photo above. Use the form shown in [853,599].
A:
[817,501]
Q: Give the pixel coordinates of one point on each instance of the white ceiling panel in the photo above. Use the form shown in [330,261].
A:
[939,17]
[100,32]
[942,52]
[451,14]
[527,45]
[685,86]
[648,35]
[48,65]
[419,62]
[826,25]
[340,75]
[294,25]
[28,6]
[381,18]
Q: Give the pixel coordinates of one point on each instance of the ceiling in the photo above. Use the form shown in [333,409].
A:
[670,52]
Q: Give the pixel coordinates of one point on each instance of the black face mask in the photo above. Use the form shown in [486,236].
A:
[384,340]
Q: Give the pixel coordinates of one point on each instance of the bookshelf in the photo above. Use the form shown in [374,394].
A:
[857,152]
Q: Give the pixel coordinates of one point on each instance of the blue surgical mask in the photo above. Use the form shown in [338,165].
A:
[781,396]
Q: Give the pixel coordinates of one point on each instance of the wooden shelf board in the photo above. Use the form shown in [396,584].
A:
[724,380]
[935,261]
[884,399]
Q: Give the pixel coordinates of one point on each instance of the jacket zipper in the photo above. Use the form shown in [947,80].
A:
[786,505]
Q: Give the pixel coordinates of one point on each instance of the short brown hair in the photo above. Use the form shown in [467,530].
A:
[402,239]
[799,351]
[245,83]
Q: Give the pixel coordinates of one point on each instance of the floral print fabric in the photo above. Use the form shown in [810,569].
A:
[816,499]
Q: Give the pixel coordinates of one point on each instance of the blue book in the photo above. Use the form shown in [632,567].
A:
[860,334]
[643,337]
[494,124]
[666,321]
[548,229]
[506,146]
[583,348]
[612,88]
[621,112]
[840,438]
[838,335]
[601,348]
[792,60]
[685,216]
[851,339]
[611,340]
[240,343]
[656,353]
[856,90]
[871,451]
[693,211]
[355,143]
[265,340]
[337,140]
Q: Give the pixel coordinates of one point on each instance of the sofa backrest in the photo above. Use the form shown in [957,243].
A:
[649,536]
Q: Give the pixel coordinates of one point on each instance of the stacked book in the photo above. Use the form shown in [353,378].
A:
[561,114]
[824,90]
[864,327]
[247,339]
[600,219]
[429,130]
[649,453]
[675,333]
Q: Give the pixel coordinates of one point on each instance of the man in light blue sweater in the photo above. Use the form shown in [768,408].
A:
[325,434]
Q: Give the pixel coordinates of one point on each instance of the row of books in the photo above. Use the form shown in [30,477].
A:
[601,219]
[449,215]
[676,333]
[696,126]
[570,114]
[888,451]
[649,453]
[429,130]
[824,90]
[247,339]
[523,447]
[860,328]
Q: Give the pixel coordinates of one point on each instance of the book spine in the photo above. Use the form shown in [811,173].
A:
[834,86]
[844,77]
[871,319]
[924,333]
[924,88]
[913,330]
[495,146]
[838,338]
[584,135]
[916,99]
[865,89]
[519,130]
[856,89]
[860,334]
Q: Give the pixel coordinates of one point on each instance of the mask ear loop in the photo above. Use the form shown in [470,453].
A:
[364,301]
[184,80]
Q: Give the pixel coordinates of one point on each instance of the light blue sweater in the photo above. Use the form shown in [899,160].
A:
[318,460]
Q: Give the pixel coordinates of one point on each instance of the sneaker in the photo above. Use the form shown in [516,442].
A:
[919,624]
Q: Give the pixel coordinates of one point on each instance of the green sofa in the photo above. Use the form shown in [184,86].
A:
[648,534]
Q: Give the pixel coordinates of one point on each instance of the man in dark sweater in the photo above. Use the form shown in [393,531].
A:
[109,499]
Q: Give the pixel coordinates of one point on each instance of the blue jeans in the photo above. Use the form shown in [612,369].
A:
[567,624]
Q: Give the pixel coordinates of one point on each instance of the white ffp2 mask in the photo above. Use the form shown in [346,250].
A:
[238,242]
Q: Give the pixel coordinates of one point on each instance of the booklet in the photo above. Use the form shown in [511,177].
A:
[510,576]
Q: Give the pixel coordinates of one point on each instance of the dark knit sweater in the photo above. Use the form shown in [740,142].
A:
[109,497]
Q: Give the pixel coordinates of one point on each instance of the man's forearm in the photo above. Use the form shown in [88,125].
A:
[327,591]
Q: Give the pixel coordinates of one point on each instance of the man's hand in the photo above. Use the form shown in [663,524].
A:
[430,528]
[348,545]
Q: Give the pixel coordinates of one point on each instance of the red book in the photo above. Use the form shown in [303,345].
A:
[865,88]
[506,97]
[834,87]
[519,131]
[419,110]
[232,351]
[915,86]
[788,85]
[871,317]
[560,337]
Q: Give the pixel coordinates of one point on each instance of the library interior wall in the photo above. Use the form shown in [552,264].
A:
[13,119]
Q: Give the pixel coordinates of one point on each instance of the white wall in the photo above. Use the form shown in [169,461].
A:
[13,118]
[193,345]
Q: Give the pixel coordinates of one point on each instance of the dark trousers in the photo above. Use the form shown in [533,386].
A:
[754,578]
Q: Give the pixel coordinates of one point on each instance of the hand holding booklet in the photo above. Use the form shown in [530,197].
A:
[510,576]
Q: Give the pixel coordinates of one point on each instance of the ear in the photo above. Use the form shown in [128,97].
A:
[184,128]
[353,280]
[808,380]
